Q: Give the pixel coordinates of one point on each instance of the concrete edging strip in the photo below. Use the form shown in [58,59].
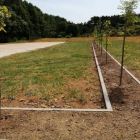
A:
[123,67]
[105,93]
[55,109]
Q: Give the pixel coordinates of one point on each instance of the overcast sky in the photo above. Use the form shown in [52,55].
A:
[79,11]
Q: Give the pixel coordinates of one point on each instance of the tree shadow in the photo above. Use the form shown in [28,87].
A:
[116,95]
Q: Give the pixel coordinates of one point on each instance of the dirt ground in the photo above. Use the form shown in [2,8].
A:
[121,124]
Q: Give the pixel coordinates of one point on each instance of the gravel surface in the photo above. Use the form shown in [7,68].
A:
[8,49]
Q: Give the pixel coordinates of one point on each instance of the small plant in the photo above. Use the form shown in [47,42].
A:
[46,96]
[82,99]
[59,36]
[10,96]
[74,93]
[68,36]
[29,93]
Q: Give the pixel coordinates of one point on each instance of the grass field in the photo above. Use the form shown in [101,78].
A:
[132,53]
[129,39]
[62,71]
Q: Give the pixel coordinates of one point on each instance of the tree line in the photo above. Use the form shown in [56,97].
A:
[28,20]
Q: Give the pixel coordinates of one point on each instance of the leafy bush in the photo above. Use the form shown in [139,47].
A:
[14,39]
[53,34]
[23,38]
[68,36]
[63,34]
[59,36]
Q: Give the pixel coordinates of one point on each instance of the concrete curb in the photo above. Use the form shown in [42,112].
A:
[123,67]
[105,93]
[54,109]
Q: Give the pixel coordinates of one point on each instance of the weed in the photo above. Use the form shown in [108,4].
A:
[29,93]
[76,94]
[10,97]
[46,96]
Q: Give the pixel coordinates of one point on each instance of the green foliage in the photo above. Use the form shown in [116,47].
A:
[95,34]
[59,36]
[107,30]
[68,36]
[29,93]
[76,94]
[127,8]
[63,34]
[3,15]
[72,30]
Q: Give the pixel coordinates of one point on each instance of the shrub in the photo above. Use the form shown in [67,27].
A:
[63,34]
[23,38]
[68,36]
[14,39]
[59,36]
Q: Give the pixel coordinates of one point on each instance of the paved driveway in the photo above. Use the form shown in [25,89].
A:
[8,49]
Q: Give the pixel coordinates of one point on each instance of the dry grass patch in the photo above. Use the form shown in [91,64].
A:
[73,39]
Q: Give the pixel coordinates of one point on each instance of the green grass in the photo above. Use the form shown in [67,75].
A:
[45,73]
[132,54]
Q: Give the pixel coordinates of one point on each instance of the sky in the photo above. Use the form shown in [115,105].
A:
[78,11]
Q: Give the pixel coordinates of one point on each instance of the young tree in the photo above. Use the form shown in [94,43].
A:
[101,33]
[3,14]
[107,31]
[130,17]
[95,34]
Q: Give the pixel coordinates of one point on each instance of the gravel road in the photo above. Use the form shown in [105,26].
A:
[8,49]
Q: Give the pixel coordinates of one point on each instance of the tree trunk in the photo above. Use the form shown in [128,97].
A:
[101,46]
[106,49]
[122,57]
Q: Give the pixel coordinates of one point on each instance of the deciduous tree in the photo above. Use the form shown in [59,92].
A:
[107,31]
[130,17]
